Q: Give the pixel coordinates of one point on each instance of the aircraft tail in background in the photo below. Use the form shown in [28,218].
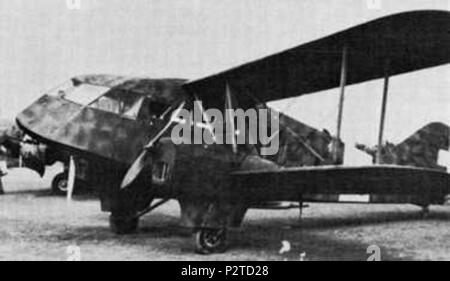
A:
[419,150]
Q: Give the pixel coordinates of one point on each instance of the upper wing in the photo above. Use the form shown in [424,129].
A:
[288,184]
[409,41]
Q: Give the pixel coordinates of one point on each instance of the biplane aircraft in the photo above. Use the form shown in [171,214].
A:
[116,131]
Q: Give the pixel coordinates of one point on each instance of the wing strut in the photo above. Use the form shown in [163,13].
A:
[341,103]
[230,119]
[383,112]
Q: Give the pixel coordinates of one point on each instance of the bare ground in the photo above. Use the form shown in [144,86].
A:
[38,226]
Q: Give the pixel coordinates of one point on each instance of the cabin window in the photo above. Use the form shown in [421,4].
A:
[120,102]
[154,110]
[133,110]
[82,94]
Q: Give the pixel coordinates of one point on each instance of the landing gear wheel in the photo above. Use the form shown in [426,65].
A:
[123,224]
[60,184]
[210,241]
[425,213]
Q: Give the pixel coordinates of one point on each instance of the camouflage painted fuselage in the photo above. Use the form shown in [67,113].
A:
[194,174]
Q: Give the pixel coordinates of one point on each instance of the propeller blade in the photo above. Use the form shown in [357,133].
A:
[140,162]
[167,127]
[135,170]
[71,179]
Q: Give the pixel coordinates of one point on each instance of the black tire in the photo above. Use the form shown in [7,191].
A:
[425,213]
[123,224]
[211,241]
[59,184]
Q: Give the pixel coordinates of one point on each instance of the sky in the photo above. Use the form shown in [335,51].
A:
[45,42]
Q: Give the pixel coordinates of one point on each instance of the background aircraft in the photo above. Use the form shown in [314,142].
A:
[18,151]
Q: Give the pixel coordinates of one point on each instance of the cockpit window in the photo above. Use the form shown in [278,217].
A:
[83,94]
[155,110]
[121,102]
[133,110]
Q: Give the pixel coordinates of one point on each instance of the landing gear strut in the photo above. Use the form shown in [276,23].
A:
[122,224]
[211,241]
[425,212]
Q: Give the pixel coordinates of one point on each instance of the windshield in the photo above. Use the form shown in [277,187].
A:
[117,101]
[82,93]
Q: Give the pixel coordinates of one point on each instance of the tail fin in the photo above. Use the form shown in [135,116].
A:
[420,149]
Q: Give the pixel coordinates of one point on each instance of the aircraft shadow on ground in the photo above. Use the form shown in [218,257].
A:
[369,218]
[260,235]
[313,247]
[257,234]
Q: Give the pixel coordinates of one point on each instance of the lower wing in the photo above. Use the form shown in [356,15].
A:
[290,183]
